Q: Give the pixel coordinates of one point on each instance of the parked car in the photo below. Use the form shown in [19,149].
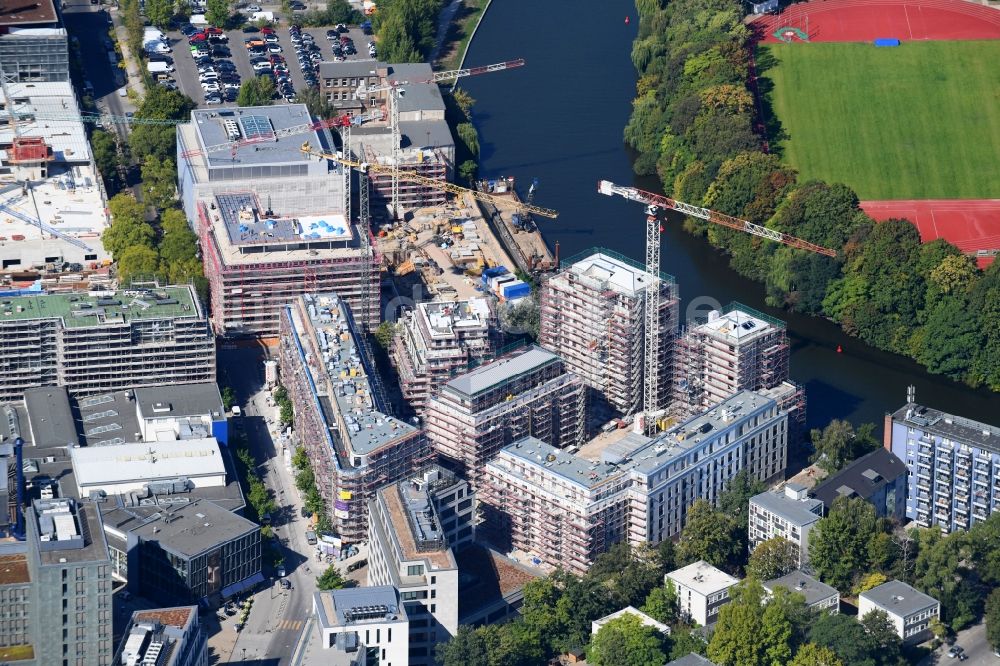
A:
[250,29]
[285,585]
[253,9]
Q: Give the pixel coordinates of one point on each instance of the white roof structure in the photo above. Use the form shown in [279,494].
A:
[124,468]
[613,273]
[646,620]
[703,578]
[54,116]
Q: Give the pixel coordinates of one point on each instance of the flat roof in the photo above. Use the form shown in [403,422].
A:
[359,606]
[797,512]
[104,308]
[862,478]
[737,324]
[446,318]
[105,419]
[14,569]
[95,466]
[613,271]
[703,578]
[87,545]
[802,583]
[178,616]
[413,524]
[49,417]
[13,12]
[898,598]
[194,528]
[486,577]
[501,370]
[216,127]
[180,400]
[570,467]
[956,428]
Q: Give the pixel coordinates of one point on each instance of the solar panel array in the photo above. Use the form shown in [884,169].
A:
[257,128]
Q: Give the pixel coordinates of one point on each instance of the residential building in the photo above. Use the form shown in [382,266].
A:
[33,46]
[164,637]
[701,591]
[953,466]
[341,413]
[817,594]
[692,659]
[104,341]
[491,585]
[408,549]
[593,317]
[879,478]
[182,411]
[439,340]
[190,552]
[51,195]
[18,621]
[788,513]
[565,509]
[912,612]
[647,621]
[258,260]
[362,626]
[526,392]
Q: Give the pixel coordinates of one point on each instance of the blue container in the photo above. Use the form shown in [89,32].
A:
[886,41]
[515,290]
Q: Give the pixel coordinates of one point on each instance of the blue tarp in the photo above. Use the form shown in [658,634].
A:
[886,41]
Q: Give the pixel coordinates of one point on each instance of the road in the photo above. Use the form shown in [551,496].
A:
[973,640]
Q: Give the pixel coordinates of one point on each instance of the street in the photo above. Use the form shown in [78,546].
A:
[973,641]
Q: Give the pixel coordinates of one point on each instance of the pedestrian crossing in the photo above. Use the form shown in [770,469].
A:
[289,625]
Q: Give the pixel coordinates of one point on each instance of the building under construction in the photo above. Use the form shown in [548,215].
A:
[592,315]
[526,393]
[340,412]
[104,341]
[257,260]
[439,340]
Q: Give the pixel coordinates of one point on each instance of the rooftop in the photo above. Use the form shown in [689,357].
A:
[415,525]
[955,428]
[68,531]
[799,512]
[22,13]
[862,478]
[486,576]
[153,634]
[691,659]
[49,417]
[801,583]
[898,598]
[195,528]
[147,462]
[613,271]
[738,323]
[500,371]
[703,578]
[258,124]
[450,318]
[181,400]
[575,469]
[179,616]
[629,610]
[359,606]
[14,569]
[105,308]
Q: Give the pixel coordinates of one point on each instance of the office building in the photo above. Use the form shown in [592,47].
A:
[526,392]
[788,513]
[912,612]
[953,466]
[409,548]
[701,591]
[817,594]
[361,626]
[258,259]
[437,341]
[879,478]
[341,413]
[104,341]
[565,510]
[33,46]
[164,637]
[593,317]
[647,621]
[182,411]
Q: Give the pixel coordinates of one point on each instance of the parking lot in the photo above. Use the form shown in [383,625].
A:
[186,71]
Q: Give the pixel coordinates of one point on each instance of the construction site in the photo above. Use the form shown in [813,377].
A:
[518,230]
[341,416]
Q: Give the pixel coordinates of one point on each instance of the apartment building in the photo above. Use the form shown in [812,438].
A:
[33,43]
[91,342]
[409,549]
[879,478]
[437,341]
[526,392]
[701,591]
[592,316]
[817,595]
[360,626]
[164,637]
[341,413]
[912,612]
[565,509]
[953,466]
[788,513]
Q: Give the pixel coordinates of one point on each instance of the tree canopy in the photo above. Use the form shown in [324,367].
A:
[840,546]
[626,640]
[256,91]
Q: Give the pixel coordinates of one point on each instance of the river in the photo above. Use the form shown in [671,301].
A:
[560,119]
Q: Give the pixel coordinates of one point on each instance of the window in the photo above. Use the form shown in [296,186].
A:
[415,570]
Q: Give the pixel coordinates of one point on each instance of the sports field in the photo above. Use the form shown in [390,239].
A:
[920,121]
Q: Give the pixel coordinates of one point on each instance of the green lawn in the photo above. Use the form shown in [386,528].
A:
[920,121]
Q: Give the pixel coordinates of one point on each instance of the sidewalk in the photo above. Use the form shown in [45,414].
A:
[131,63]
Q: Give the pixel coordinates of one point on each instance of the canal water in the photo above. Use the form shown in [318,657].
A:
[560,119]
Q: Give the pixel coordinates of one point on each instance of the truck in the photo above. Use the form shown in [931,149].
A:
[159,67]
[310,537]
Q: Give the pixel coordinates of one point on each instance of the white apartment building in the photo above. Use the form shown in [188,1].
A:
[817,594]
[362,625]
[701,591]
[910,610]
[789,513]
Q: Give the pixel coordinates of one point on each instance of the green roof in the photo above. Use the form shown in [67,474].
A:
[80,310]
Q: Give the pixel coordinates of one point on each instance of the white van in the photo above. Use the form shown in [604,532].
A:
[266,16]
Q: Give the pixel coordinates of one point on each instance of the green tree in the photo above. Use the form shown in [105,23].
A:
[950,340]
[178,242]
[738,638]
[300,459]
[869,581]
[522,317]
[466,648]
[773,558]
[735,499]
[993,619]
[883,642]
[710,535]
[940,570]
[258,91]
[467,171]
[685,642]
[776,635]
[839,544]
[159,139]
[626,640]
[128,228]
[286,415]
[159,12]
[838,444]
[468,135]
[384,334]
[137,261]
[845,636]
[228,397]
[331,579]
[661,603]
[106,157]
[217,12]
[159,182]
[811,654]
[464,101]
[316,102]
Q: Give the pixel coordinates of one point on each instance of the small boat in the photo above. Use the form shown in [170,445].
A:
[626,20]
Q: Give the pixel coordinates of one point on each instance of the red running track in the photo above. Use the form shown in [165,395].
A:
[968,224]
[867,20]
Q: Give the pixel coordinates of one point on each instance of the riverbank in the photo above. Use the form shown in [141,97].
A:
[462,27]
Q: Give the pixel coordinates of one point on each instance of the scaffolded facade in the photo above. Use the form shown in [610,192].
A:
[340,416]
[429,163]
[526,393]
[141,336]
[592,315]
[249,281]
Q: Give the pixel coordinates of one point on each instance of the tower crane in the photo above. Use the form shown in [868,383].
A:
[654,202]
[411,177]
